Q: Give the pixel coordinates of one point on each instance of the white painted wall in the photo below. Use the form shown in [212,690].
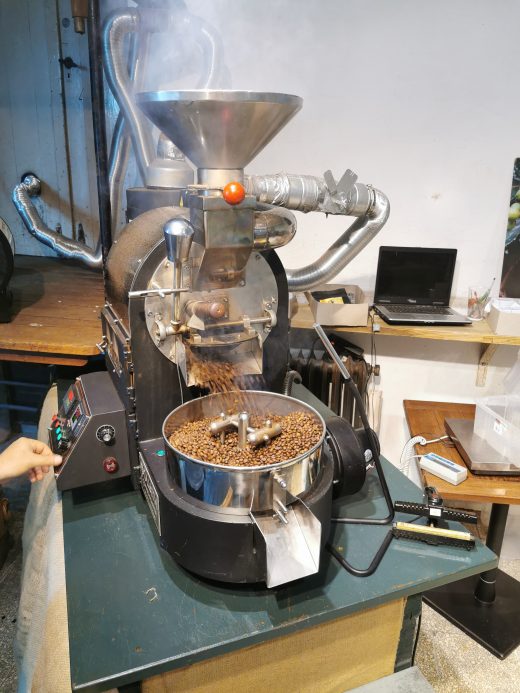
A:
[418,98]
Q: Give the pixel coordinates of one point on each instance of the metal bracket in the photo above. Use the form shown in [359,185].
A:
[102,345]
[155,292]
[343,186]
[486,354]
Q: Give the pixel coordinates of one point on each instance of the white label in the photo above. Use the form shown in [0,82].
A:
[150,493]
[499,427]
[436,512]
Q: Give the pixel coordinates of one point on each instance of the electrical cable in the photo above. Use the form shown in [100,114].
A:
[359,572]
[363,572]
[406,456]
[373,363]
[377,463]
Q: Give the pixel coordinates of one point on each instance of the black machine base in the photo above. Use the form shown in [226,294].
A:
[495,625]
[217,544]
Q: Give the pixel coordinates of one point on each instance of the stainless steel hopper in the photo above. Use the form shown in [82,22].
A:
[219,129]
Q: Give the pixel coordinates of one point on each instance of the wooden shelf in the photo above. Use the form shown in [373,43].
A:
[477,333]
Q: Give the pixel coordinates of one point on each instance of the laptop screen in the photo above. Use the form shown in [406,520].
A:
[414,275]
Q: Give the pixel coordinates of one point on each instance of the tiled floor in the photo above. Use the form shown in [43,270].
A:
[454,663]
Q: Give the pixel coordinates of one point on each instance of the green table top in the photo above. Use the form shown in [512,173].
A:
[133,612]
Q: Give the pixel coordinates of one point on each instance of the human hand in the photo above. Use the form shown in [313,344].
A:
[26,455]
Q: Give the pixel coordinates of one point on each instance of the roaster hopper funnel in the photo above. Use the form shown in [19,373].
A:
[219,129]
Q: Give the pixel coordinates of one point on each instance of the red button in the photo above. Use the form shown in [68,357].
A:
[71,395]
[110,465]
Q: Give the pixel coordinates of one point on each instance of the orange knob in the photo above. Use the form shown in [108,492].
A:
[234,193]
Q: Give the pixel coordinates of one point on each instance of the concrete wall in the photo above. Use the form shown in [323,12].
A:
[45,120]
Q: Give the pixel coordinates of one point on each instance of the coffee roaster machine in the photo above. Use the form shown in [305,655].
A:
[202,281]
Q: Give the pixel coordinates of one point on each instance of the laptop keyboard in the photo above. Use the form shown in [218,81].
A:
[423,310]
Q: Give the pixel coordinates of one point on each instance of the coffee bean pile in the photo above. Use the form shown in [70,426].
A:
[300,432]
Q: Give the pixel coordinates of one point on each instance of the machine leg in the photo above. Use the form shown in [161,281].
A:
[486,606]
[130,688]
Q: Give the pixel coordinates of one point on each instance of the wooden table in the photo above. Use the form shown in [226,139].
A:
[488,607]
[478,332]
[427,418]
[56,309]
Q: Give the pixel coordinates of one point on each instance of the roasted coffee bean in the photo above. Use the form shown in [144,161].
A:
[300,432]
[209,374]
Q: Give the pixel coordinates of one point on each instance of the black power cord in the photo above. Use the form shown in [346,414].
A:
[377,464]
[359,572]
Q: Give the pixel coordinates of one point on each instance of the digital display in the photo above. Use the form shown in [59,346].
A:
[68,400]
[75,417]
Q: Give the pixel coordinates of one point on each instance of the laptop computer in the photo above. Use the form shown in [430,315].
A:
[413,286]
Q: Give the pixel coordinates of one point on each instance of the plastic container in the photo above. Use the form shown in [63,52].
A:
[504,316]
[497,418]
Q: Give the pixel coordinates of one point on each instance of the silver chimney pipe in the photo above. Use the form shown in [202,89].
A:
[66,247]
[117,27]
[117,68]
[342,251]
[309,194]
[155,171]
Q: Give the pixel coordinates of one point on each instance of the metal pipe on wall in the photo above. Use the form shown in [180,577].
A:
[99,126]
[65,247]
[118,25]
[120,145]
[122,83]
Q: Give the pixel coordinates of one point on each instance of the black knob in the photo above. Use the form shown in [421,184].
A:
[64,444]
[106,434]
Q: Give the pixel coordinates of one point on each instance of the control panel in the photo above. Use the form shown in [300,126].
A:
[67,424]
[90,432]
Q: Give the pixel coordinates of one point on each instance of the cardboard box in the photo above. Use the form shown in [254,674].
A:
[353,314]
[504,316]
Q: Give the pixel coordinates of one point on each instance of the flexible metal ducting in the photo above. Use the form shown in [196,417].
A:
[117,28]
[342,251]
[65,247]
[309,194]
[211,47]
